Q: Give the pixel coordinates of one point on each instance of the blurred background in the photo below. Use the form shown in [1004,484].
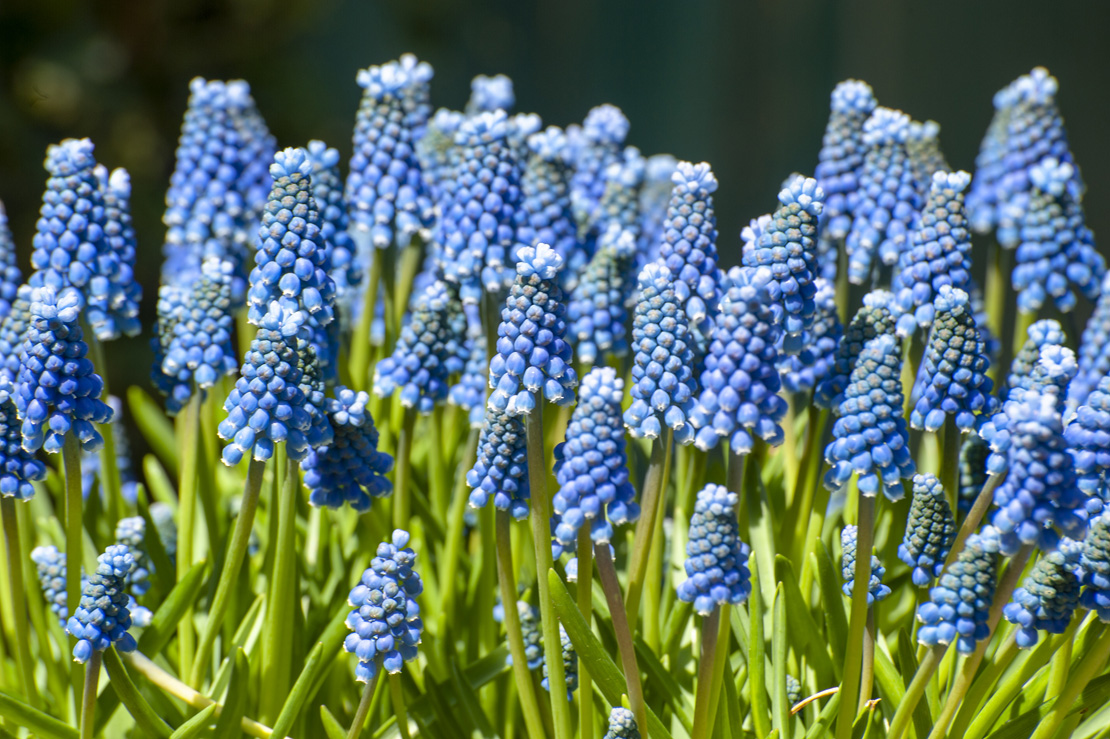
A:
[742,85]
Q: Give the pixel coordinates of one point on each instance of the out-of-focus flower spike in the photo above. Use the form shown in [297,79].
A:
[1088,437]
[596,145]
[102,618]
[13,332]
[1042,333]
[1094,349]
[929,530]
[327,191]
[570,664]
[125,293]
[1046,600]
[739,386]
[533,360]
[470,391]
[841,157]
[438,156]
[53,397]
[18,467]
[655,194]
[417,98]
[10,276]
[876,590]
[888,202]
[663,384]
[255,153]
[870,437]
[873,319]
[385,623]
[1095,563]
[716,559]
[802,372]
[501,469]
[546,212]
[959,604]
[597,310]
[530,631]
[926,157]
[50,565]
[489,93]
[689,246]
[418,365]
[131,532]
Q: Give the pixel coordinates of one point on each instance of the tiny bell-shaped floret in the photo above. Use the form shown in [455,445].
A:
[102,619]
[929,530]
[959,605]
[716,560]
[876,590]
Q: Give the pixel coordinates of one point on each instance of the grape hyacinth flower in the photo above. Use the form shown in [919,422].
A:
[960,602]
[601,137]
[876,590]
[13,332]
[10,276]
[591,466]
[655,194]
[952,380]
[18,467]
[786,247]
[385,623]
[131,533]
[350,468]
[619,208]
[386,194]
[533,355]
[1094,349]
[50,565]
[530,632]
[469,393]
[1056,255]
[814,363]
[570,664]
[663,384]
[740,382]
[982,199]
[841,159]
[489,93]
[438,155]
[327,191]
[418,365]
[874,318]
[888,200]
[1041,334]
[123,307]
[925,155]
[1095,563]
[689,247]
[716,560]
[58,391]
[622,725]
[102,618]
[501,469]
[870,437]
[546,213]
[973,471]
[267,405]
[597,309]
[929,530]
[1088,437]
[939,253]
[793,689]
[1047,598]
[291,263]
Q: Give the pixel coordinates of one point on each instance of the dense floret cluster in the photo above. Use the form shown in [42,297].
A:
[929,530]
[716,560]
[689,247]
[1047,598]
[1088,437]
[418,365]
[501,469]
[102,618]
[876,590]
[959,604]
[874,318]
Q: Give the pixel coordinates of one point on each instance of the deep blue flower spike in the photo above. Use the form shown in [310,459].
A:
[602,136]
[13,332]
[18,467]
[597,311]
[125,293]
[973,471]
[1043,333]
[10,276]
[131,532]
[841,159]
[102,618]
[716,559]
[1047,598]
[874,318]
[803,371]
[419,364]
[1088,437]
[1095,561]
[1094,349]
[959,604]
[546,213]
[530,632]
[689,246]
[876,590]
[331,204]
[501,469]
[929,530]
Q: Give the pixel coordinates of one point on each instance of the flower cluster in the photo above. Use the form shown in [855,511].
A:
[926,157]
[570,664]
[348,469]
[619,210]
[953,378]
[1088,438]
[622,725]
[1095,561]
[939,253]
[973,471]
[870,437]
[1041,334]
[929,530]
[813,364]
[655,195]
[959,605]
[598,144]
[386,194]
[327,192]
[841,159]
[50,565]
[874,318]
[13,332]
[689,247]
[488,93]
[786,247]
[58,391]
[716,560]
[18,467]
[533,356]
[385,623]
[419,362]
[591,466]
[131,533]
[501,469]
[1094,349]
[530,632]
[469,392]
[1047,598]
[597,310]
[663,382]
[740,382]
[102,618]
[876,590]
[546,213]
[10,276]
[122,316]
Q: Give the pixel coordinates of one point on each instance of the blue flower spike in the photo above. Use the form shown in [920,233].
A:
[591,466]
[131,532]
[952,380]
[740,383]
[350,468]
[58,391]
[1094,349]
[1088,437]
[530,632]
[13,332]
[689,246]
[959,604]
[18,467]
[929,530]
[601,137]
[876,590]
[10,276]
[570,664]
[327,191]
[1047,598]
[533,359]
[926,157]
[716,559]
[622,725]
[841,156]
[1043,333]
[385,623]
[50,566]
[874,318]
[102,618]
[597,309]
[787,247]
[419,364]
[489,93]
[803,371]
[663,384]
[501,468]
[125,293]
[1095,563]
[547,216]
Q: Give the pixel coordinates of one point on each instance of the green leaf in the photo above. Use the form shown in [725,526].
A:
[236,703]
[163,625]
[239,640]
[757,649]
[806,633]
[1093,697]
[836,621]
[331,725]
[154,426]
[319,660]
[907,663]
[780,716]
[887,677]
[601,666]
[23,715]
[662,681]
[470,703]
[145,717]
[161,487]
[196,725]
[821,728]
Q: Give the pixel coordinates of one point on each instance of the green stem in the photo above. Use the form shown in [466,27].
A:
[18,596]
[653,582]
[71,462]
[410,264]
[974,517]
[229,574]
[585,553]
[655,483]
[401,503]
[109,465]
[399,711]
[622,630]
[867,676]
[1090,666]
[145,717]
[360,349]
[1058,672]
[790,451]
[281,603]
[456,522]
[721,669]
[801,501]
[187,511]
[950,460]
[88,697]
[521,675]
[984,684]
[710,625]
[541,537]
[914,692]
[363,707]
[853,656]
[756,521]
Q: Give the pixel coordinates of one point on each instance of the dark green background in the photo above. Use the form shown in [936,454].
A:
[742,85]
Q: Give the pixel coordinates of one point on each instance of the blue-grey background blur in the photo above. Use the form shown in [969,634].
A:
[742,85]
